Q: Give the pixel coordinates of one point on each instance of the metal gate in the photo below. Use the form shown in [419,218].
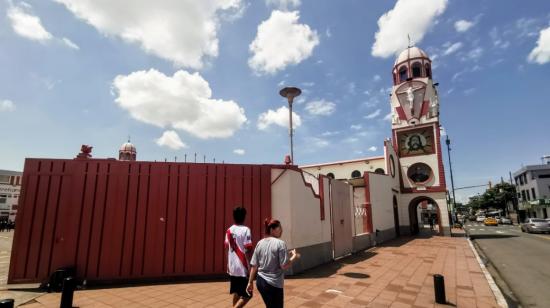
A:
[341,205]
[116,220]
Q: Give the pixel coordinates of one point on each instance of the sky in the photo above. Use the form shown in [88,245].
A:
[185,77]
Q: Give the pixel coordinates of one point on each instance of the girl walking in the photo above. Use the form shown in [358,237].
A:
[268,263]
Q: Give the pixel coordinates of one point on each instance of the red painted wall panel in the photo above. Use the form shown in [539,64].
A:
[130,220]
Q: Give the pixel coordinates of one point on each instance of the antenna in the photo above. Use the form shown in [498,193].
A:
[409,37]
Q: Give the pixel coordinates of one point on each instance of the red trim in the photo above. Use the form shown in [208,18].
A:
[322,196]
[236,249]
[425,108]
[367,223]
[401,113]
[441,168]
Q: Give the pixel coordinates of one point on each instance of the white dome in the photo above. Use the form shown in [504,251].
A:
[409,53]
[128,147]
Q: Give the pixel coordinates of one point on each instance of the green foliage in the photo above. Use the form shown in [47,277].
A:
[495,197]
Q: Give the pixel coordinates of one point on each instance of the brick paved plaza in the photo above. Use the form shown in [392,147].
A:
[398,274]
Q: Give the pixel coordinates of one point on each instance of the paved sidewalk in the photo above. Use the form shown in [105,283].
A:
[398,274]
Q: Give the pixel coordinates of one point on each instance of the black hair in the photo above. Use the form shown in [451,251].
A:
[239,214]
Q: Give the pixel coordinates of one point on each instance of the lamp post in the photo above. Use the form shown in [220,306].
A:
[448,142]
[290,93]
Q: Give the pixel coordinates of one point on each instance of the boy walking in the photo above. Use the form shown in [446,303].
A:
[239,243]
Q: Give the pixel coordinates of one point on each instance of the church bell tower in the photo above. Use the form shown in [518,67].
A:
[416,130]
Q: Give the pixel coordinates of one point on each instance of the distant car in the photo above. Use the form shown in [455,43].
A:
[490,221]
[534,225]
[505,221]
[480,218]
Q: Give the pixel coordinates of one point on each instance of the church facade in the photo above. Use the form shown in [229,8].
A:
[412,164]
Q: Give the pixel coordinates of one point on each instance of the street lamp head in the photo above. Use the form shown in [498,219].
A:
[290,93]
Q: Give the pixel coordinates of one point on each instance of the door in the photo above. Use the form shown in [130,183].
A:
[341,204]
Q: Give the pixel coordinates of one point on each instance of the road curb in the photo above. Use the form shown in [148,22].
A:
[501,301]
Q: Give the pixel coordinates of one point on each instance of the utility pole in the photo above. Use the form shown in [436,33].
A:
[448,142]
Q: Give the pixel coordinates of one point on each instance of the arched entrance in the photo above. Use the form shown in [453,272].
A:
[421,210]
[396,216]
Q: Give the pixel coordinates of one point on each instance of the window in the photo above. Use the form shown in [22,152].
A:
[523,195]
[521,180]
[417,70]
[528,195]
[4,178]
[533,193]
[356,174]
[403,74]
[428,71]
[525,177]
[379,171]
[330,175]
[419,173]
[3,199]
[544,176]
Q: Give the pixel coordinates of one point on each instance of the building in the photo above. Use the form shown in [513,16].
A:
[533,189]
[132,220]
[127,152]
[10,189]
[412,166]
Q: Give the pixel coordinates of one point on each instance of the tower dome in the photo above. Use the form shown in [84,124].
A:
[411,63]
[127,152]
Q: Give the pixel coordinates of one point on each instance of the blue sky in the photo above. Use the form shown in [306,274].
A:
[203,77]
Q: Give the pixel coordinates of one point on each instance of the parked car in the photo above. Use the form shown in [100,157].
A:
[490,221]
[505,221]
[480,218]
[533,225]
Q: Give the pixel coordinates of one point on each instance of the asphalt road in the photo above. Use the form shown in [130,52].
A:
[522,260]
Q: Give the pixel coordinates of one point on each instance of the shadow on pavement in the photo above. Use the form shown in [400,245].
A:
[490,236]
[331,268]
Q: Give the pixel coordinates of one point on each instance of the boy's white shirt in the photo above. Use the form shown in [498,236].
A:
[243,240]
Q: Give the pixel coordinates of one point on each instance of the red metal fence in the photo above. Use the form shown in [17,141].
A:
[128,220]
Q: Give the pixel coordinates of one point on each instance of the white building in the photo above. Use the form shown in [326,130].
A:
[533,188]
[410,176]
[10,189]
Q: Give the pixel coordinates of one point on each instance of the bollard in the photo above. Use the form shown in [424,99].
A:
[69,285]
[7,303]
[439,289]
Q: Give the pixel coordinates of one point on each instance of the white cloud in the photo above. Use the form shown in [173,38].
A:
[183,32]
[239,151]
[388,116]
[407,17]
[473,54]
[283,4]
[497,39]
[330,133]
[328,33]
[171,139]
[373,149]
[318,142]
[27,25]
[356,126]
[7,105]
[376,78]
[308,84]
[541,53]
[182,101]
[320,107]
[463,25]
[278,117]
[281,41]
[351,140]
[70,43]
[373,115]
[452,48]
